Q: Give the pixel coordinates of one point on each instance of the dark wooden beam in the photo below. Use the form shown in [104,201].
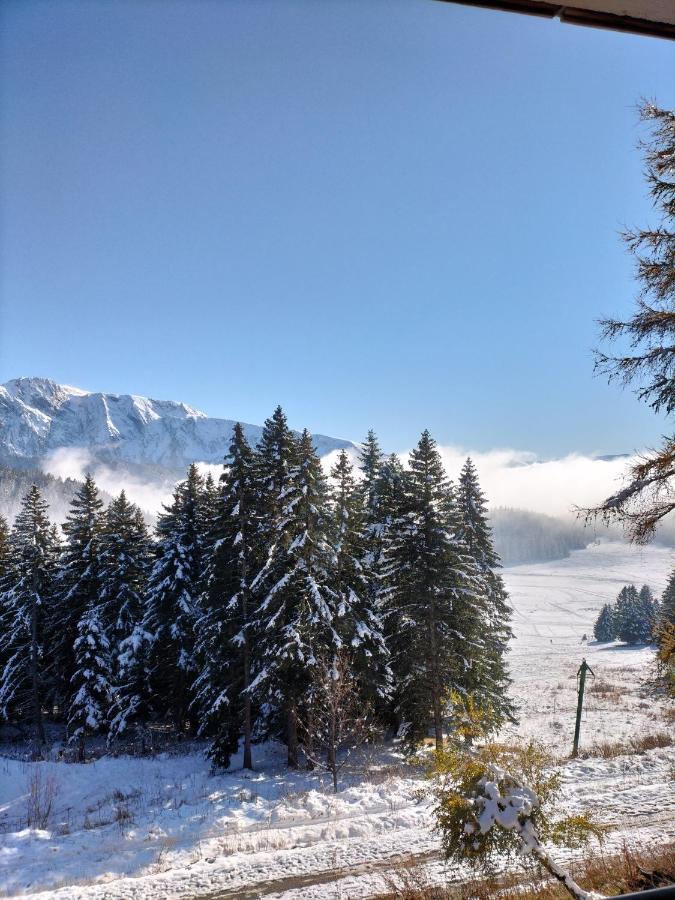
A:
[596,15]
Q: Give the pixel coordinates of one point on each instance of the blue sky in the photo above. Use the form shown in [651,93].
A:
[397,214]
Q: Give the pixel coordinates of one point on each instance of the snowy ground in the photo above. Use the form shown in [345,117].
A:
[141,828]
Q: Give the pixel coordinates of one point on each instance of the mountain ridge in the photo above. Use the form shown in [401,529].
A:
[40,417]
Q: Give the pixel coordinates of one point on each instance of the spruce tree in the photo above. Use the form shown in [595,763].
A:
[224,643]
[79,583]
[665,631]
[6,578]
[6,560]
[25,605]
[434,596]
[628,618]
[490,675]
[125,556]
[667,608]
[604,629]
[91,689]
[295,614]
[357,622]
[370,464]
[649,614]
[172,600]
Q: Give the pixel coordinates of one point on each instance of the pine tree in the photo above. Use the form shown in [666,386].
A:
[91,689]
[25,606]
[605,626]
[125,555]
[294,617]
[490,674]
[357,621]
[435,605]
[277,457]
[172,600]
[627,613]
[665,632]
[649,614]
[224,629]
[370,464]
[6,560]
[6,581]
[667,609]
[79,583]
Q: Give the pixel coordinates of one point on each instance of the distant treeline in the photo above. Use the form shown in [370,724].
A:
[521,536]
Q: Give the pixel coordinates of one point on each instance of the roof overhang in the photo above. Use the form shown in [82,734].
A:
[651,17]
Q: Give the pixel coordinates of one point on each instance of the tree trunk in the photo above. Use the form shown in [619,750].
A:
[248,756]
[292,736]
[332,749]
[80,749]
[309,741]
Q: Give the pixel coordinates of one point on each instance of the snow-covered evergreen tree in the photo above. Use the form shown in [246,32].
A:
[490,681]
[25,604]
[435,601]
[370,465]
[667,607]
[296,609]
[172,600]
[125,556]
[78,585]
[6,580]
[91,689]
[6,561]
[627,615]
[605,627]
[224,639]
[649,614]
[357,620]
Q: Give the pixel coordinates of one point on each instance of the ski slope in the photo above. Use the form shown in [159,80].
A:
[130,829]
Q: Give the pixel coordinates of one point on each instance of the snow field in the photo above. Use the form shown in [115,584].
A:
[165,827]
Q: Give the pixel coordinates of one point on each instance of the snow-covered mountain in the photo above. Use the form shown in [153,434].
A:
[39,418]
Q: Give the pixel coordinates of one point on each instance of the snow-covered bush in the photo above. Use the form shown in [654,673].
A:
[495,800]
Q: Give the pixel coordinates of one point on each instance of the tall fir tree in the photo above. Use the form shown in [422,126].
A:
[125,558]
[172,600]
[667,608]
[490,674]
[357,621]
[604,629]
[25,605]
[370,465]
[6,558]
[295,615]
[90,684]
[649,614]
[434,596]
[224,643]
[79,583]
[627,615]
[6,580]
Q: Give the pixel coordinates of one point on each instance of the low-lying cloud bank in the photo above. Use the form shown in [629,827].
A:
[508,477]
[518,478]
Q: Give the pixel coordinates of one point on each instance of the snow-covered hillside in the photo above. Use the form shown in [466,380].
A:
[130,829]
[39,417]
